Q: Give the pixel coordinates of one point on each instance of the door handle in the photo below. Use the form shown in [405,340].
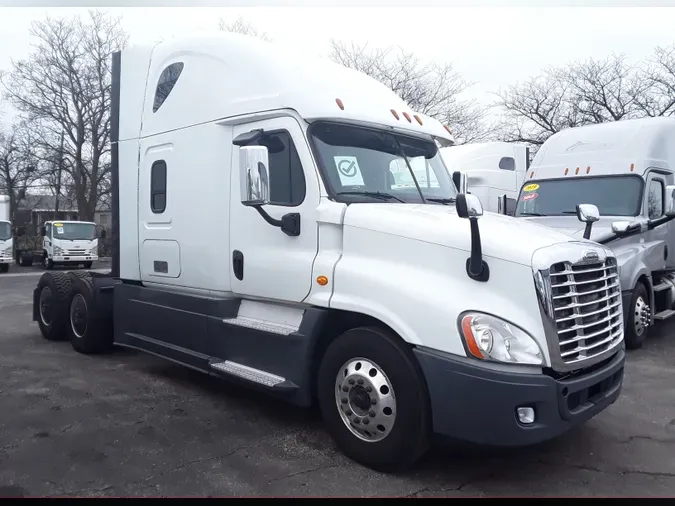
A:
[238,264]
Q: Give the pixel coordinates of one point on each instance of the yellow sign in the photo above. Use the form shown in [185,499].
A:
[58,224]
[531,187]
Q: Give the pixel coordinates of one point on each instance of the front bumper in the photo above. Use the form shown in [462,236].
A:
[5,260]
[75,259]
[479,405]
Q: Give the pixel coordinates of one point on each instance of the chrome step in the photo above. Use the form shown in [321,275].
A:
[664,315]
[261,325]
[248,373]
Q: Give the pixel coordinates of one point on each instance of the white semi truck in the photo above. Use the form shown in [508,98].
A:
[494,171]
[64,243]
[6,239]
[627,170]
[313,275]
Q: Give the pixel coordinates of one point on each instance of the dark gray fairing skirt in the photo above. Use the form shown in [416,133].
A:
[189,329]
[478,405]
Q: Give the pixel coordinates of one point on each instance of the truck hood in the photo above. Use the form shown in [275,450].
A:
[572,227]
[503,237]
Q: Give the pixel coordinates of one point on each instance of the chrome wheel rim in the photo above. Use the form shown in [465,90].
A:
[365,399]
[641,316]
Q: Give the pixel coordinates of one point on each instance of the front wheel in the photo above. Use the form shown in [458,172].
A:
[47,262]
[639,316]
[374,399]
[87,265]
[4,267]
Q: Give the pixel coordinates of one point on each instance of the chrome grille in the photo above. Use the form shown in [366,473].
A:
[74,252]
[586,301]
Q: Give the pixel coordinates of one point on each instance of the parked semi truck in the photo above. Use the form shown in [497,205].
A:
[494,171]
[68,243]
[625,169]
[6,238]
[259,235]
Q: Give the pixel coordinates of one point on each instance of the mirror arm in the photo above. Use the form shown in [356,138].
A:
[289,223]
[476,267]
[587,230]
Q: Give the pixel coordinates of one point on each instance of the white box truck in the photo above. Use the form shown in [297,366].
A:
[494,171]
[6,239]
[64,243]
[626,169]
[260,236]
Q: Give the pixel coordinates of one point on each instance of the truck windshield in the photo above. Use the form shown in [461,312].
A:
[5,230]
[613,195]
[75,231]
[366,164]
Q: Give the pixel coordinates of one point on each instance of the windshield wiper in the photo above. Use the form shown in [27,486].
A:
[568,212]
[377,195]
[531,214]
[442,201]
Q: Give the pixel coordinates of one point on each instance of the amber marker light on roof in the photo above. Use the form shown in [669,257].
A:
[395,114]
[340,104]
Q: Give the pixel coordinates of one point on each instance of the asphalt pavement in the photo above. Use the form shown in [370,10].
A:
[129,424]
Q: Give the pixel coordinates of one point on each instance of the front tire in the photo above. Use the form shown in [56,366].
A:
[374,399]
[638,318]
[4,268]
[47,262]
[87,265]
[89,330]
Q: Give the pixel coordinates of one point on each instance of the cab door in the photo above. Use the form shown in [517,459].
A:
[654,209]
[264,261]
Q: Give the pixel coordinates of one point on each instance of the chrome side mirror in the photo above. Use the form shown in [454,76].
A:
[588,213]
[468,206]
[253,176]
[670,200]
[461,182]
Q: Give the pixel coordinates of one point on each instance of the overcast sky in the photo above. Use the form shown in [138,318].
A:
[491,46]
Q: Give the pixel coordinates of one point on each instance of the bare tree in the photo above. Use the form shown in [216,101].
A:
[657,76]
[65,86]
[430,88]
[241,25]
[588,92]
[18,166]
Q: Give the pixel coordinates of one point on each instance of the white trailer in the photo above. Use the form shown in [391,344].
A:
[494,171]
[6,239]
[260,236]
[627,170]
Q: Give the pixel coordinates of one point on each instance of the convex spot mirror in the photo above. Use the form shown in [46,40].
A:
[588,213]
[468,206]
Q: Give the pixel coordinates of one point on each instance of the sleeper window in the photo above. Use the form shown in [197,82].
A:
[655,199]
[165,83]
[158,187]
[287,180]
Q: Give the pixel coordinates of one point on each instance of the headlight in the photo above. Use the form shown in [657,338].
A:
[57,250]
[490,338]
[8,251]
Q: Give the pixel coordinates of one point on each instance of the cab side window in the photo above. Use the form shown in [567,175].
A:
[287,179]
[655,199]
[48,231]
